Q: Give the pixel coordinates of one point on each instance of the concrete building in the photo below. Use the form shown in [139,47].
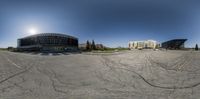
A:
[100,46]
[149,44]
[82,46]
[50,42]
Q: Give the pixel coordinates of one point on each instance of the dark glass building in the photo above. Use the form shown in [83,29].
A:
[174,44]
[51,42]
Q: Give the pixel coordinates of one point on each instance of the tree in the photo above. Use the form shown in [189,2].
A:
[196,47]
[93,45]
[87,45]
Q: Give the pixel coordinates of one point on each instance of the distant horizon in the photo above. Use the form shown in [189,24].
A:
[15,45]
[109,22]
[94,40]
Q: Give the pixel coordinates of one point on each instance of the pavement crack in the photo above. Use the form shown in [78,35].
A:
[144,79]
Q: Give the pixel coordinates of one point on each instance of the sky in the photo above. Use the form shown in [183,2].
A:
[111,22]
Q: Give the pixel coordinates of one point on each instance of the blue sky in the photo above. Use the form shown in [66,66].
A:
[111,22]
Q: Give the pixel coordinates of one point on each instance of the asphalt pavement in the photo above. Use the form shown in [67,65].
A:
[137,74]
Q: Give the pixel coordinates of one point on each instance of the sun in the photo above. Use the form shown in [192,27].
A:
[33,31]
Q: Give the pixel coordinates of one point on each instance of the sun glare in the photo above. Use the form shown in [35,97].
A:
[32,31]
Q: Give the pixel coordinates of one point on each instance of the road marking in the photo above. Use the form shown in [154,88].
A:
[13,63]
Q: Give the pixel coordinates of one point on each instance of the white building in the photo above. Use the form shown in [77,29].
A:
[150,44]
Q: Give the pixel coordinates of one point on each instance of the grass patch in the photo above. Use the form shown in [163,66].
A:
[109,50]
[3,49]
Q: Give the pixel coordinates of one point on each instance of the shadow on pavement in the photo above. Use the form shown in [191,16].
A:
[49,53]
[45,54]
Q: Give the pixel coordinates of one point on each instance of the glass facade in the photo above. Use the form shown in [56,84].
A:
[174,44]
[49,41]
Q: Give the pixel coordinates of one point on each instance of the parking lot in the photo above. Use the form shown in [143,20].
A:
[137,74]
